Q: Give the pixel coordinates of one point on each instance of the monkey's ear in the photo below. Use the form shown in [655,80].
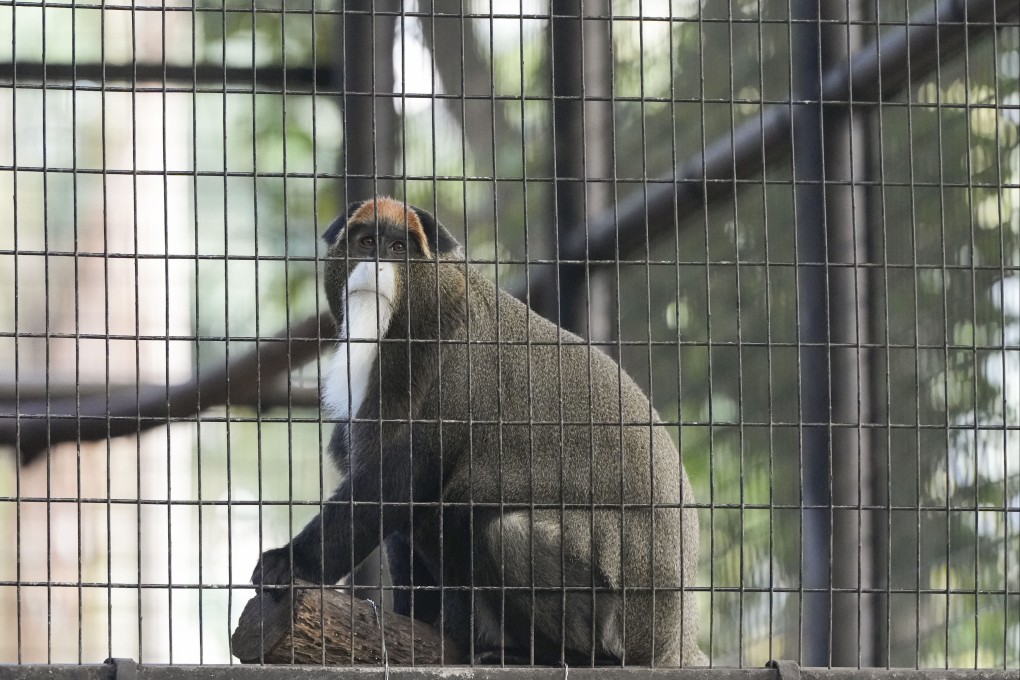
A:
[440,240]
[339,224]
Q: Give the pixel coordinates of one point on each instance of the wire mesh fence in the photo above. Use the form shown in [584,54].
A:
[782,240]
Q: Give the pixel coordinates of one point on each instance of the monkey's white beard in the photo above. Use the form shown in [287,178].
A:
[367,313]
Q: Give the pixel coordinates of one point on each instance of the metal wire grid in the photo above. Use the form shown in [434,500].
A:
[822,401]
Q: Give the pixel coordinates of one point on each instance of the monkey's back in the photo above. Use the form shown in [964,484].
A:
[552,402]
[558,433]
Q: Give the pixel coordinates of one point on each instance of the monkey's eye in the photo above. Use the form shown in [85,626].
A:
[367,241]
[398,247]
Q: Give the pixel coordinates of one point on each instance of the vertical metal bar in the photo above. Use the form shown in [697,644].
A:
[493,109]
[47,354]
[137,332]
[582,60]
[369,119]
[568,167]
[680,410]
[844,140]
[812,306]
[77,342]
[472,620]
[769,359]
[565,76]
[370,573]
[286,277]
[16,309]
[943,275]
[194,329]
[596,163]
[391,602]
[642,115]
[226,333]
[619,312]
[351,154]
[316,276]
[166,344]
[881,385]
[255,220]
[596,68]
[528,352]
[434,207]
[369,125]
[1003,364]
[106,344]
[969,168]
[703,143]
[915,536]
[740,445]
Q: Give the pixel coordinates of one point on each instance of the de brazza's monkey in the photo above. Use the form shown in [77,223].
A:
[526,471]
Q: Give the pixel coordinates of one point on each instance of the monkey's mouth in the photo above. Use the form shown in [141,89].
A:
[369,291]
[371,287]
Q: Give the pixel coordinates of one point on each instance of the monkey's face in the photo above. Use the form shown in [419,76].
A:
[378,252]
[376,257]
[369,260]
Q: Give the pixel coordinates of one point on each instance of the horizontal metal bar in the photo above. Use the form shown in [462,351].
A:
[152,421]
[255,672]
[506,178]
[284,10]
[270,394]
[323,502]
[715,589]
[7,390]
[91,423]
[652,262]
[211,78]
[266,76]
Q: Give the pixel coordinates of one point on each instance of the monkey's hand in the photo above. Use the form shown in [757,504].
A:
[277,568]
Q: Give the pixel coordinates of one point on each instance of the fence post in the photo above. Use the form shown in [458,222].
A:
[369,152]
[564,306]
[828,147]
[581,69]
[813,336]
[845,142]
[369,120]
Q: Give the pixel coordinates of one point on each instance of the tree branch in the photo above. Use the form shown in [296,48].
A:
[325,625]
[132,409]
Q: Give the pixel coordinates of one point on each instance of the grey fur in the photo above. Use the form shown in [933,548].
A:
[532,440]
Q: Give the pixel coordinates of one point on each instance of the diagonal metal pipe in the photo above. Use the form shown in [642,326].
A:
[878,70]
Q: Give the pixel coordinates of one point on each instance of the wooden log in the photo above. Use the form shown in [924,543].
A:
[327,626]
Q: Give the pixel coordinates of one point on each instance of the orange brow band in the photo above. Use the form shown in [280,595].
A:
[389,210]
